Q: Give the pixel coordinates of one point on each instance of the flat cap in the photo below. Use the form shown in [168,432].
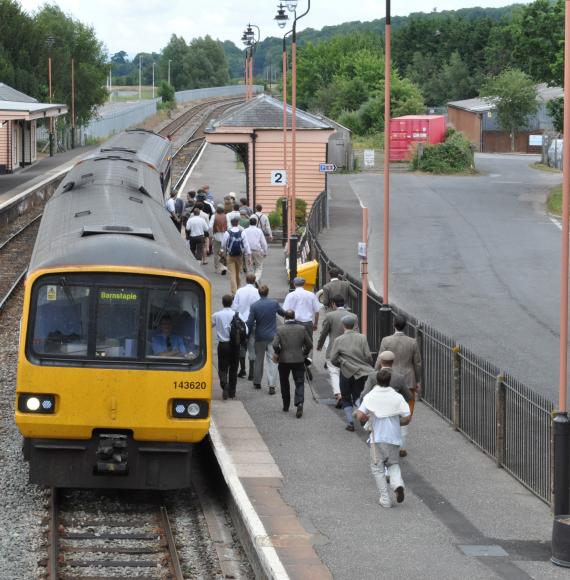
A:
[387,356]
[298,281]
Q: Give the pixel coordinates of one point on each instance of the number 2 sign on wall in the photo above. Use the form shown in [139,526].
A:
[279,177]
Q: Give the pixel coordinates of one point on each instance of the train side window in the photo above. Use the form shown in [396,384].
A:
[173,326]
[61,320]
[117,322]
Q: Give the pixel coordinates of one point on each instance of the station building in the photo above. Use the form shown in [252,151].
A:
[254,131]
[19,114]
[477,119]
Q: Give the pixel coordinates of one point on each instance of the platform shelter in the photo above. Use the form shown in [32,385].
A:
[18,117]
[254,131]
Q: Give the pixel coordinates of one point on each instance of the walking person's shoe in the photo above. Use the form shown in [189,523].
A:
[250,375]
[399,491]
[350,427]
[403,453]
[242,372]
[285,408]
[271,390]
[256,385]
[224,394]
[299,412]
[385,500]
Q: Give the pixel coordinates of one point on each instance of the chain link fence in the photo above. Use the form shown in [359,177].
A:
[500,415]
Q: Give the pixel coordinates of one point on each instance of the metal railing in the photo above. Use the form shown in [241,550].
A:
[499,414]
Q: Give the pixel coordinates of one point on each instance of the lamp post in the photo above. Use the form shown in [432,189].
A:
[292,7]
[153,80]
[169,61]
[252,43]
[140,77]
[247,43]
[50,41]
[387,95]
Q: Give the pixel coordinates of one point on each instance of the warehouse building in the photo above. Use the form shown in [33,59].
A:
[477,118]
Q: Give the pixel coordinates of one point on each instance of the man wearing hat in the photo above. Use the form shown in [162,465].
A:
[397,382]
[336,287]
[305,305]
[351,353]
[387,411]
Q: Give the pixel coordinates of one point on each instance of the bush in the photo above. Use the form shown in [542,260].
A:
[454,155]
[275,217]
[166,91]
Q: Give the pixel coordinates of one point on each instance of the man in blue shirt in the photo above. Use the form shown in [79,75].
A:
[262,314]
[164,343]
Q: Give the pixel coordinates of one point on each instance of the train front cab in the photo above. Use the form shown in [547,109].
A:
[114,377]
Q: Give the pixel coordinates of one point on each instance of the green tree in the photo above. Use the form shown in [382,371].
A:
[513,93]
[555,109]
[166,92]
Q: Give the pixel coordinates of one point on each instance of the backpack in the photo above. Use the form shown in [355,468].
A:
[238,331]
[235,244]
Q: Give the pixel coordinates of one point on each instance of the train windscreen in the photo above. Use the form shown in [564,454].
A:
[138,319]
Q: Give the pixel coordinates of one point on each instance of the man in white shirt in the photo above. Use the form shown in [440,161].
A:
[171,209]
[244,298]
[387,411]
[235,248]
[228,354]
[305,305]
[257,245]
[263,222]
[233,214]
[197,230]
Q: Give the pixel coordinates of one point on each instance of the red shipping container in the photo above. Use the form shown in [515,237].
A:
[405,131]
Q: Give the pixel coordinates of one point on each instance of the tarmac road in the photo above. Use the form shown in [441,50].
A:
[476,257]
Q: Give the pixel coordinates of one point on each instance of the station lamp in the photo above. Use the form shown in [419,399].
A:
[281,17]
[246,40]
[292,5]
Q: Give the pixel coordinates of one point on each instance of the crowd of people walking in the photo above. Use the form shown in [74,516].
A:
[379,393]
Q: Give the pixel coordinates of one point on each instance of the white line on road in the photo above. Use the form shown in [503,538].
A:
[555,222]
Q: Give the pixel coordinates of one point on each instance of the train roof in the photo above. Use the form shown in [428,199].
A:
[109,225]
[128,172]
[145,145]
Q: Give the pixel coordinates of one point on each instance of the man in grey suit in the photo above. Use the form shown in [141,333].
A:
[351,353]
[333,328]
[291,344]
[407,360]
[336,287]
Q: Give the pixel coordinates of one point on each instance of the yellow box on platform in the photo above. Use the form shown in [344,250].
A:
[309,271]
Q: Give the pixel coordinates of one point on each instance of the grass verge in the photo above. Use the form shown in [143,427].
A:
[543,167]
[554,201]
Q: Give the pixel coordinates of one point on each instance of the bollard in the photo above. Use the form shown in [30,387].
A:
[292,260]
[501,420]
[456,393]
[561,432]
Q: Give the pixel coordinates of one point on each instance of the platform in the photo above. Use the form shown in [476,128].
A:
[309,483]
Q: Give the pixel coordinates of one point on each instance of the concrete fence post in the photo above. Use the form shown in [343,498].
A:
[501,420]
[456,392]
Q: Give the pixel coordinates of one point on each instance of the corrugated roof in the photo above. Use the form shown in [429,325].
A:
[28,107]
[7,93]
[265,112]
[544,94]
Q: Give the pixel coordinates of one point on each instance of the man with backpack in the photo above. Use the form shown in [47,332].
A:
[236,250]
[230,332]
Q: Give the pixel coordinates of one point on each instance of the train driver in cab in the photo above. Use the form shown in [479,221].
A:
[164,343]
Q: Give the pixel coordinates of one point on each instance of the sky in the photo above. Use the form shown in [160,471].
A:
[146,25]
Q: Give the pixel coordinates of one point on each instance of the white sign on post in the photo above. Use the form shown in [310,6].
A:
[279,177]
[535,140]
[369,158]
[362,251]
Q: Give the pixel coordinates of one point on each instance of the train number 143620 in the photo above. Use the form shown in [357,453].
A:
[189,384]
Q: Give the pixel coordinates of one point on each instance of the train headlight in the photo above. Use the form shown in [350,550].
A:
[193,409]
[32,404]
[190,409]
[37,404]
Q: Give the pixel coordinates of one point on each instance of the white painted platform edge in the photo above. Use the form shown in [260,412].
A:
[181,190]
[267,554]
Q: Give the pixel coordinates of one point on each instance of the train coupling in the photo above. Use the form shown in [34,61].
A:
[112,455]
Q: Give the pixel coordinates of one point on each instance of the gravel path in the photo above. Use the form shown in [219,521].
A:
[22,506]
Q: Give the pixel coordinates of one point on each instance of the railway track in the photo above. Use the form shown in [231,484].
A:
[110,535]
[15,253]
